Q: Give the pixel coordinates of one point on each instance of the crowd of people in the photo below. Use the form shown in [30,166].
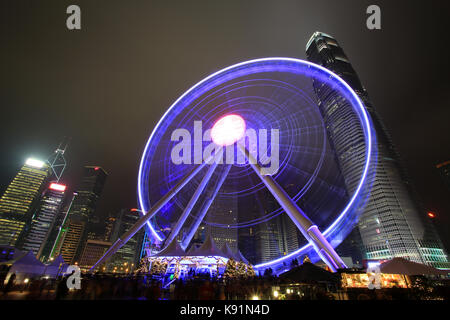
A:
[107,287]
[145,287]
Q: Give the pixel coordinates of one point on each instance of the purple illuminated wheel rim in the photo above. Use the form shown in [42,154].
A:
[345,221]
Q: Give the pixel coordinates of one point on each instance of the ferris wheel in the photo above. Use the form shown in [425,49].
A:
[253,134]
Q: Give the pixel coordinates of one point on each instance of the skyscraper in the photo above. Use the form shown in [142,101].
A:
[224,212]
[54,241]
[71,241]
[270,239]
[44,218]
[393,223]
[20,200]
[444,172]
[127,257]
[93,250]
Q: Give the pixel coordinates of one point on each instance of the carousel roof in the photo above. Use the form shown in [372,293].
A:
[208,248]
[57,261]
[228,253]
[172,250]
[241,257]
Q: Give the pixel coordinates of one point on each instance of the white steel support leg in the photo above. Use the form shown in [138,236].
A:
[187,210]
[309,230]
[141,222]
[205,208]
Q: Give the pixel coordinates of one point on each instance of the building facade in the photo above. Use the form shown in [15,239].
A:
[20,199]
[53,244]
[224,212]
[75,230]
[128,256]
[93,250]
[44,219]
[392,223]
[270,239]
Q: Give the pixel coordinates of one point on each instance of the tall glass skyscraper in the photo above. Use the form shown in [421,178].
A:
[20,199]
[225,212]
[267,240]
[393,223]
[74,233]
[44,218]
[444,171]
[128,256]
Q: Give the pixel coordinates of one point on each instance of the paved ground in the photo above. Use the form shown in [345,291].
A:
[25,295]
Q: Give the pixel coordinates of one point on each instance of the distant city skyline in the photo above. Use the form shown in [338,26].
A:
[86,87]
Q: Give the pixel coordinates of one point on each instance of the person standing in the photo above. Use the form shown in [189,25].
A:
[9,284]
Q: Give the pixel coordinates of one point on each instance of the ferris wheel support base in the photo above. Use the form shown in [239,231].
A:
[309,230]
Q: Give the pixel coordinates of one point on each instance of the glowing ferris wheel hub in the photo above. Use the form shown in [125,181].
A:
[228,129]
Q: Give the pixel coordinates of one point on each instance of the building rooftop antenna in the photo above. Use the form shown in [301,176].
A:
[56,161]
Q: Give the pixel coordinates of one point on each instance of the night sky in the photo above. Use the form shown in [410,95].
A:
[107,85]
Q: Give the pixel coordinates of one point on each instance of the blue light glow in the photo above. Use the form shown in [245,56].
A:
[276,64]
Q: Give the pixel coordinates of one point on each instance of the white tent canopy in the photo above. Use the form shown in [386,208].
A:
[208,248]
[172,250]
[27,266]
[57,266]
[228,253]
[241,257]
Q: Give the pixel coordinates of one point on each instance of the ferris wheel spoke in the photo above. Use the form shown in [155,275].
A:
[204,209]
[187,210]
[153,210]
[309,230]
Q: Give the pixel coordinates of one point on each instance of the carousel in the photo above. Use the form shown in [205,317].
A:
[175,263]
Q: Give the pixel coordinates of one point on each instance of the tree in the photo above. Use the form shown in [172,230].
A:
[250,271]
[241,269]
[144,265]
[156,266]
[230,269]
[163,268]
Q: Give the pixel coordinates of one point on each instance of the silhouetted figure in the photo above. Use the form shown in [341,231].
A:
[9,285]
[62,290]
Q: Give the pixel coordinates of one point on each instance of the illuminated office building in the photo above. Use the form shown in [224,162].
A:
[76,227]
[223,211]
[93,250]
[44,218]
[393,223]
[54,241]
[20,199]
[270,239]
[127,257]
